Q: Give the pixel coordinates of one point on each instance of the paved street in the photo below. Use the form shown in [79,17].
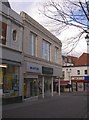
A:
[68,105]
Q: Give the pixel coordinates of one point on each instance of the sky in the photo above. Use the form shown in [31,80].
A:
[32,8]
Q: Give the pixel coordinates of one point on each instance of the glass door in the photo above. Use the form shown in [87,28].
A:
[33,87]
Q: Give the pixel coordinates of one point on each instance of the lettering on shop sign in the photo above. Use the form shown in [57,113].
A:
[35,68]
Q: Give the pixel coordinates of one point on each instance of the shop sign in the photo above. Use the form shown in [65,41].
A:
[77,78]
[34,68]
[47,70]
[86,77]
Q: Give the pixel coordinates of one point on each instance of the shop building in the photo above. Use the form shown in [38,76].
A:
[42,60]
[10,54]
[76,72]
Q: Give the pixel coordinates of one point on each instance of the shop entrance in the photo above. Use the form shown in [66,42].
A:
[25,88]
[33,87]
[30,87]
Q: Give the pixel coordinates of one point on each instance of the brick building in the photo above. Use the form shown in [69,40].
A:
[77,73]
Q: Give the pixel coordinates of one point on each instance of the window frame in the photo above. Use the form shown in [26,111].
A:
[33,41]
[14,35]
[85,72]
[78,72]
[46,49]
[56,54]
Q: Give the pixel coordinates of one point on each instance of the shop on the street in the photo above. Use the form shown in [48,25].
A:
[10,80]
[80,85]
[38,81]
[64,86]
[31,74]
[11,76]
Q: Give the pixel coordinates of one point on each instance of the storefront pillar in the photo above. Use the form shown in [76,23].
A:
[59,86]
[52,86]
[43,87]
[21,83]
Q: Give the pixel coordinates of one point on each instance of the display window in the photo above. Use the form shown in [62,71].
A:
[80,86]
[47,84]
[33,87]
[30,88]
[87,87]
[9,78]
[74,86]
[39,85]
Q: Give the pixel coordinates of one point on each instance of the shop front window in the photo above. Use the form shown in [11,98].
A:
[10,80]
[47,85]
[33,87]
[39,85]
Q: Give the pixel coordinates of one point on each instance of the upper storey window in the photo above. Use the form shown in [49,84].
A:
[14,34]
[33,38]
[46,50]
[55,54]
[3,33]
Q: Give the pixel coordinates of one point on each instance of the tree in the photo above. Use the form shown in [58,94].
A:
[68,13]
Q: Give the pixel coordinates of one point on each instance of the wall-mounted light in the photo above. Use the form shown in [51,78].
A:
[3,65]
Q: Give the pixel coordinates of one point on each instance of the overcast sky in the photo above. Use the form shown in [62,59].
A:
[32,8]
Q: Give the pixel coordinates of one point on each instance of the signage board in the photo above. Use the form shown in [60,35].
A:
[86,77]
[47,70]
[34,68]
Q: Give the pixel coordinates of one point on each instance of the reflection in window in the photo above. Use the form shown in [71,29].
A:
[33,38]
[3,33]
[46,50]
[55,54]
[33,87]
[10,80]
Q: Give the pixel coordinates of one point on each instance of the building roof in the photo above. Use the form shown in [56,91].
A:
[70,59]
[38,26]
[83,59]
[6,4]
[73,59]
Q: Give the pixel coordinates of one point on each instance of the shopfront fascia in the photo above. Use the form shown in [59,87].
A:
[10,81]
[80,85]
[40,79]
[51,87]
[31,74]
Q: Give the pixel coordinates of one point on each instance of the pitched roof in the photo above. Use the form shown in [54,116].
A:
[6,4]
[73,59]
[83,59]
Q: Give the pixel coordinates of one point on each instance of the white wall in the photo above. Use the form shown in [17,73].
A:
[13,21]
[72,71]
